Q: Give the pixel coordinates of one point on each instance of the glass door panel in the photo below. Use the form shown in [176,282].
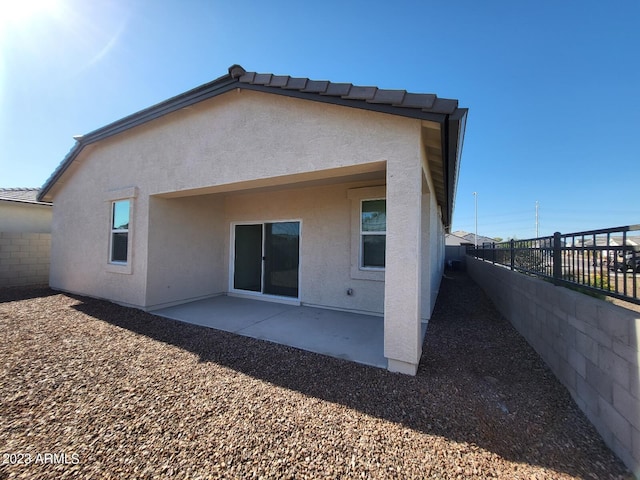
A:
[281,258]
[247,272]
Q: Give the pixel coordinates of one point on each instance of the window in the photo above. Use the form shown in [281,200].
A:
[373,233]
[120,231]
[367,261]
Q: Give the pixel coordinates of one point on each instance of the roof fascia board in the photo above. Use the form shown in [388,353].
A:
[446,166]
[26,202]
[453,138]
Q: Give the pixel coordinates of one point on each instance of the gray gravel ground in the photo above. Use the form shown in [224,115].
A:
[114,392]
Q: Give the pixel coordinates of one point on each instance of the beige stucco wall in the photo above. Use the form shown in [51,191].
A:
[221,143]
[185,249]
[245,136]
[18,217]
[250,156]
[190,242]
[80,239]
[325,216]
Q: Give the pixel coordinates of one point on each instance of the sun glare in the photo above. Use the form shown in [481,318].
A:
[17,12]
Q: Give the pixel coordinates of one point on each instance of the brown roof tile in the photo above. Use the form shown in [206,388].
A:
[361,93]
[444,105]
[316,86]
[417,100]
[426,102]
[262,78]
[296,83]
[247,77]
[392,97]
[279,80]
[337,89]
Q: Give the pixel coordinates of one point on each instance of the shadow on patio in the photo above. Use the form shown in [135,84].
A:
[349,336]
[478,383]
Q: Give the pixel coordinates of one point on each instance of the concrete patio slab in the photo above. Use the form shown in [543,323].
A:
[350,336]
[230,314]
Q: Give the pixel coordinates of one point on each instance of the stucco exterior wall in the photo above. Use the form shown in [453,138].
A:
[186,249]
[241,137]
[190,242]
[224,143]
[17,217]
[325,215]
[437,252]
[80,238]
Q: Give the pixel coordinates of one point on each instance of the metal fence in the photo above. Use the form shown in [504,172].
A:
[602,261]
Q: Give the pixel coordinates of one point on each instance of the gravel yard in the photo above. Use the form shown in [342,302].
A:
[93,390]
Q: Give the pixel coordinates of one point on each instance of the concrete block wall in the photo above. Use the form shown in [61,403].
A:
[455,252]
[590,345]
[24,258]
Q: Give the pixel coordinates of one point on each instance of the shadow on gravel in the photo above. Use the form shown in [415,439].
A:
[479,382]
[15,294]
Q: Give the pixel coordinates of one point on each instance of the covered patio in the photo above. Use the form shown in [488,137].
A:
[351,336]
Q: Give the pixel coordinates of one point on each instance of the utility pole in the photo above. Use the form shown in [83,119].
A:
[537,222]
[475,197]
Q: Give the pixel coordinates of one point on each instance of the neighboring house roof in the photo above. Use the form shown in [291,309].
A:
[614,241]
[453,240]
[21,195]
[471,237]
[446,112]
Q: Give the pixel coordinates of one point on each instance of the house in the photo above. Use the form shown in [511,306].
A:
[453,240]
[270,187]
[25,237]
[611,250]
[456,250]
[467,238]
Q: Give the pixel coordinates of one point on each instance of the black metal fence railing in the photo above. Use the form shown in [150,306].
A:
[602,261]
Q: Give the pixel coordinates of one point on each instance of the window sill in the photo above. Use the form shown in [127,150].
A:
[121,268]
[373,274]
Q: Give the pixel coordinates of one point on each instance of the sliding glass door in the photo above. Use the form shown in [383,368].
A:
[247,274]
[266,258]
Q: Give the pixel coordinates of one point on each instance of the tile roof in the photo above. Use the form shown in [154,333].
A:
[23,195]
[471,237]
[423,106]
[427,102]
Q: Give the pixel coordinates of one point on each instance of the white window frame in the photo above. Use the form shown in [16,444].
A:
[357,195]
[370,233]
[119,230]
[124,194]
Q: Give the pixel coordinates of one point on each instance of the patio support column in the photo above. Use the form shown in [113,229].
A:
[402,302]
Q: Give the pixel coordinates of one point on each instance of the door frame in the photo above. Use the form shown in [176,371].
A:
[233,292]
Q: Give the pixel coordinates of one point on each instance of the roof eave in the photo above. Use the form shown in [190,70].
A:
[26,202]
[453,139]
[452,123]
[345,102]
[198,94]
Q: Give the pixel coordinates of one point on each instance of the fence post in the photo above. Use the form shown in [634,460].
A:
[557,258]
[513,252]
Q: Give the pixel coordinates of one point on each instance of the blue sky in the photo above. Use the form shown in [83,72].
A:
[553,87]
